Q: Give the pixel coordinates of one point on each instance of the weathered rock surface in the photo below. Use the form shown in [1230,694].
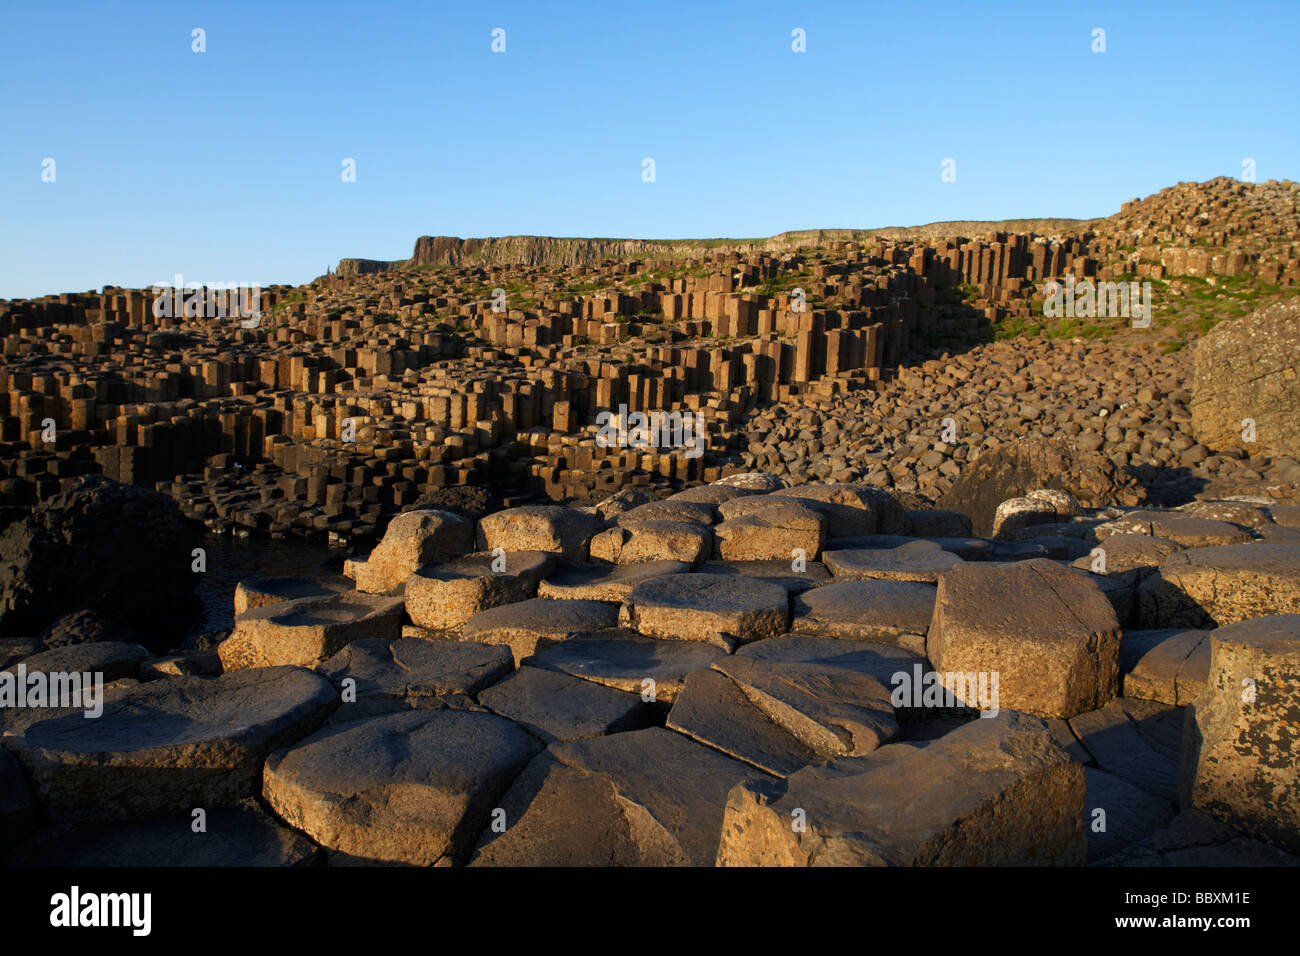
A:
[1049,633]
[170,744]
[415,787]
[531,626]
[892,612]
[553,706]
[413,539]
[727,611]
[1135,740]
[595,582]
[918,560]
[1211,587]
[445,596]
[1020,802]
[629,662]
[307,631]
[1170,666]
[633,542]
[556,530]
[411,672]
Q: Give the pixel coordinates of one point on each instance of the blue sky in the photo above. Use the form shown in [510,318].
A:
[225,165]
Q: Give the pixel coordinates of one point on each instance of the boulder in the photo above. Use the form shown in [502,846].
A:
[1249,368]
[415,787]
[445,596]
[123,551]
[549,528]
[1019,802]
[851,509]
[640,541]
[1048,632]
[413,539]
[1170,666]
[1243,733]
[1209,587]
[771,530]
[1016,468]
[811,574]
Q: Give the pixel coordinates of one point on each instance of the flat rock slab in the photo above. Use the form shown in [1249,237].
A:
[251,593]
[671,509]
[111,659]
[550,528]
[721,609]
[679,785]
[1117,814]
[767,528]
[891,612]
[881,661]
[1019,801]
[1164,665]
[414,671]
[834,711]
[554,706]
[305,632]
[1195,838]
[634,542]
[1210,587]
[171,744]
[628,662]
[811,574]
[1121,553]
[851,509]
[241,835]
[416,787]
[445,596]
[1243,734]
[714,710]
[599,582]
[1137,741]
[1184,529]
[915,561]
[1048,632]
[561,816]
[532,626]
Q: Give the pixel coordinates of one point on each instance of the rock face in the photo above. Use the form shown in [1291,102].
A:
[1205,587]
[561,531]
[305,632]
[1049,633]
[1017,468]
[1020,802]
[414,788]
[122,551]
[727,611]
[447,595]
[1250,369]
[1243,732]
[170,744]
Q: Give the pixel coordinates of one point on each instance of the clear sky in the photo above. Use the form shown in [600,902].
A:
[226,165]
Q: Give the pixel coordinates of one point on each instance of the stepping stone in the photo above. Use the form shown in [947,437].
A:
[1124,553]
[628,662]
[554,706]
[890,612]
[635,542]
[412,672]
[113,659]
[252,593]
[814,573]
[415,787]
[1157,665]
[1047,631]
[1233,512]
[532,626]
[1019,802]
[834,711]
[242,835]
[1211,587]
[17,814]
[714,494]
[671,509]
[307,631]
[413,539]
[1196,839]
[1137,741]
[851,509]
[549,528]
[445,596]
[1127,815]
[668,780]
[713,710]
[880,661]
[915,561]
[559,816]
[596,582]
[1186,530]
[1240,750]
[726,610]
[764,528]
[170,744]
